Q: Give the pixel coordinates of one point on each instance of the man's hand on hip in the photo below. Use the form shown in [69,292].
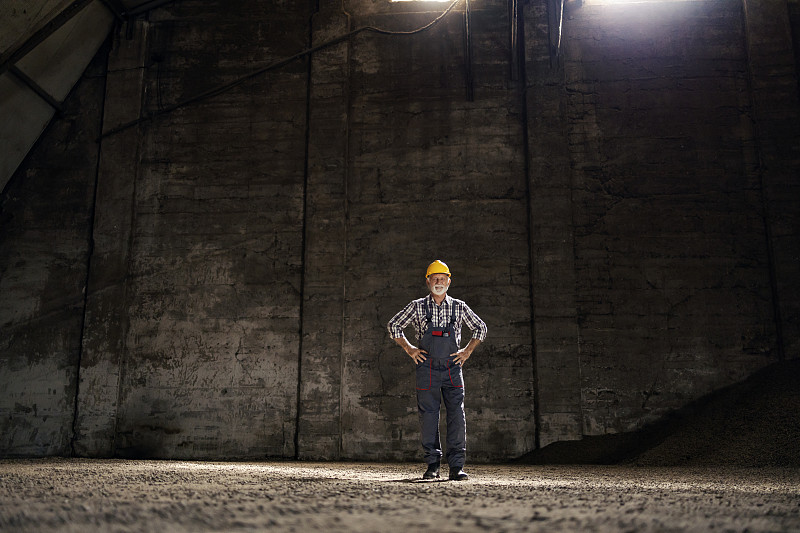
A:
[461,356]
[413,352]
[416,354]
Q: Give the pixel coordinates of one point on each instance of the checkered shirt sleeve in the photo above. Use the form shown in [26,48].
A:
[414,314]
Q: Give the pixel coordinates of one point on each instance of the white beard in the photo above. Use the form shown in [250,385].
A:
[438,290]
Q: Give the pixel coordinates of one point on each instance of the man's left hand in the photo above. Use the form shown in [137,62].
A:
[461,357]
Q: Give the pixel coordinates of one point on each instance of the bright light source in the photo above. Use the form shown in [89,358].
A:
[618,2]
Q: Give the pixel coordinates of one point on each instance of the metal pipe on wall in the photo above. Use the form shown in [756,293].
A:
[468,51]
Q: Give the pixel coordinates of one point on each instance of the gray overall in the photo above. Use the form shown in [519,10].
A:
[438,377]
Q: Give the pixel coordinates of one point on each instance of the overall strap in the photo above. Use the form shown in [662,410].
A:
[429,313]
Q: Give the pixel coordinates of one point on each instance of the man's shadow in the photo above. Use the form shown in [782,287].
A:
[419,480]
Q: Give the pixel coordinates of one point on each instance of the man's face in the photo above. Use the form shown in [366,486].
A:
[438,283]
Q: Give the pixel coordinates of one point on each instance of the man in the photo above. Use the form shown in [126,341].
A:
[437,319]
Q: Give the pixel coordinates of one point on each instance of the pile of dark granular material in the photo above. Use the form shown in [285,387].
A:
[755,423]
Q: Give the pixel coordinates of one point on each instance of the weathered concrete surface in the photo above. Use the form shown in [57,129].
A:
[45,228]
[552,235]
[106,317]
[81,495]
[214,278]
[434,175]
[319,424]
[775,98]
[611,211]
[671,260]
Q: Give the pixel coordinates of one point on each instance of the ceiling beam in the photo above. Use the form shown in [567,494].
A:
[147,6]
[116,7]
[35,87]
[38,36]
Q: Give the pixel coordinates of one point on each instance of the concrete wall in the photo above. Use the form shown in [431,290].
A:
[672,267]
[196,322]
[421,173]
[619,211]
[45,241]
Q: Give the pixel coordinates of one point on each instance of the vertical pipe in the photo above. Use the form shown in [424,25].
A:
[765,205]
[346,212]
[523,84]
[513,16]
[309,57]
[468,50]
[89,253]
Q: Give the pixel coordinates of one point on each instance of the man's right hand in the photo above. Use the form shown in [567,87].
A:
[416,354]
[413,352]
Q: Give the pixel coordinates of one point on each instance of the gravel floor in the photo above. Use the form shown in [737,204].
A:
[164,496]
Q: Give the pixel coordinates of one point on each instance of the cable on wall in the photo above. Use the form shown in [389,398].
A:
[278,64]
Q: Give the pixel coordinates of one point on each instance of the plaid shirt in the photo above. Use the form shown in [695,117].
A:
[414,314]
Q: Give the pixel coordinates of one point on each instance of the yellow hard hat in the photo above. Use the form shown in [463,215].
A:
[437,267]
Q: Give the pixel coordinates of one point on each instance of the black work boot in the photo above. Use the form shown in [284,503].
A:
[457,474]
[432,472]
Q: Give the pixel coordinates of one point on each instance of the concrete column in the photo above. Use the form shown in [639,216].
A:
[321,358]
[553,267]
[773,80]
[106,310]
